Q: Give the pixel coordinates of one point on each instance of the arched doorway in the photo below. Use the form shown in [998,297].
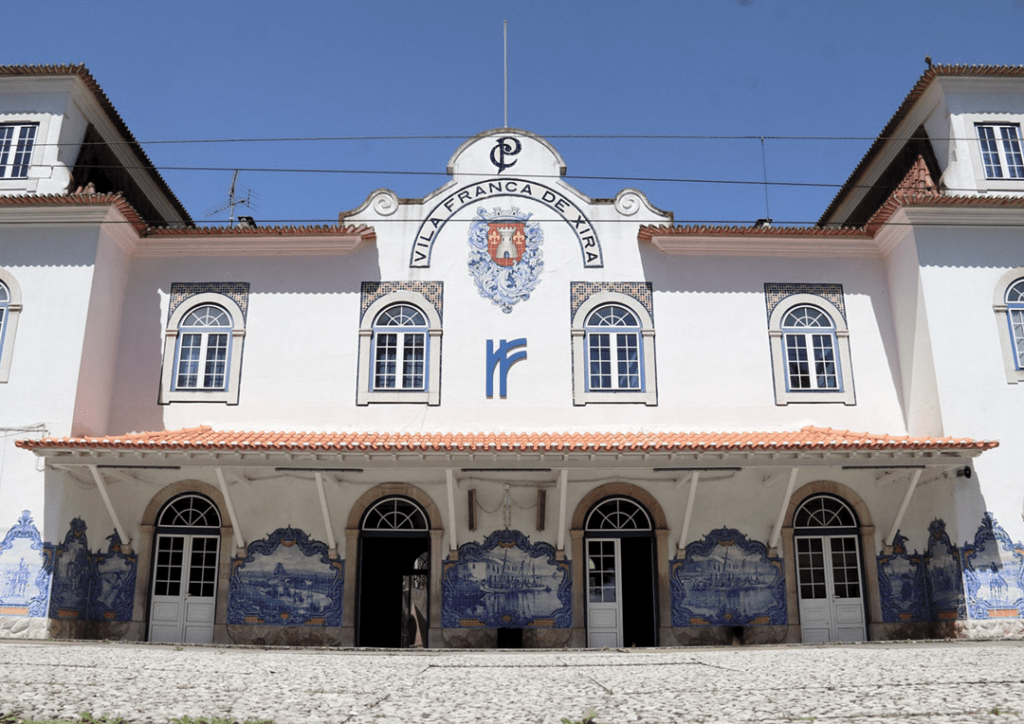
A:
[830,582]
[621,589]
[394,575]
[186,562]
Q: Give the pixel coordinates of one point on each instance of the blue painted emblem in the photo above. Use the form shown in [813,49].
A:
[501,359]
[505,258]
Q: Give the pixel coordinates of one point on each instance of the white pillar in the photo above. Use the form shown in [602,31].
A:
[235,530]
[450,479]
[774,542]
[331,545]
[689,511]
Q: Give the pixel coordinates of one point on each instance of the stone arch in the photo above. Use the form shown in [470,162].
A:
[158,501]
[384,490]
[868,552]
[661,556]
[147,533]
[837,489]
[352,555]
[627,490]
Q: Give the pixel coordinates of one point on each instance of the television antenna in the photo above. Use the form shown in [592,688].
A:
[233,201]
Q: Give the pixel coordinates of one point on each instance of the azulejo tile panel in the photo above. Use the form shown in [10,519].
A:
[775,292]
[580,292]
[370,292]
[506,582]
[727,580]
[286,580]
[24,570]
[944,576]
[69,598]
[993,567]
[902,585]
[238,292]
[112,583]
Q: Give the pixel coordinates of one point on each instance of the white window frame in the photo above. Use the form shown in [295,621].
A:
[1003,311]
[365,392]
[7,165]
[780,372]
[229,394]
[9,324]
[972,135]
[1004,160]
[405,335]
[581,394]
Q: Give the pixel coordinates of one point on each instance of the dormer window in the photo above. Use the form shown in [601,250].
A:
[1000,150]
[16,142]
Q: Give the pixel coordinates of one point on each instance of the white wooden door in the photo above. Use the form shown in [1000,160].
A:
[829,579]
[604,593]
[184,588]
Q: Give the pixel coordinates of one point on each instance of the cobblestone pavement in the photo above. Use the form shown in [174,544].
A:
[884,683]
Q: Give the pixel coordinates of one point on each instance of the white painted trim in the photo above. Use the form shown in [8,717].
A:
[255,245]
[429,396]
[580,395]
[229,395]
[782,395]
[903,508]
[1013,375]
[235,529]
[984,184]
[773,543]
[126,542]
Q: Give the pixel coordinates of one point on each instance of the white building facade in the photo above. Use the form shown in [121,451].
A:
[507,414]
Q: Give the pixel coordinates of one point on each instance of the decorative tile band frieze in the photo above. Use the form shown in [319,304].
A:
[580,292]
[776,292]
[506,582]
[286,580]
[370,292]
[727,580]
[238,292]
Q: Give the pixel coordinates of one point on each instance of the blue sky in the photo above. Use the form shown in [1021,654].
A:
[188,70]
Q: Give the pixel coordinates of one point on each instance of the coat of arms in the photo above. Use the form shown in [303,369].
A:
[505,256]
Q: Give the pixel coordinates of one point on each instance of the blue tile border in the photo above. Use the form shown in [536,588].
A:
[775,293]
[181,292]
[580,292]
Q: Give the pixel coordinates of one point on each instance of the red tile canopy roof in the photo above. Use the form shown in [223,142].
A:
[204,438]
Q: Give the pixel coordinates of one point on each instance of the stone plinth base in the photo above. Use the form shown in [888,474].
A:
[286,635]
[23,627]
[729,635]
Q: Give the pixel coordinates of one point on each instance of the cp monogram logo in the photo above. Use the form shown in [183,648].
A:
[505,146]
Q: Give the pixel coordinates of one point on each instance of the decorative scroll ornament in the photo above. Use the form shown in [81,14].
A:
[628,202]
[384,202]
[505,258]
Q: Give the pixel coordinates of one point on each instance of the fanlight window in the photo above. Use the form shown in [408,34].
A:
[395,514]
[613,349]
[1015,314]
[810,340]
[203,349]
[618,514]
[5,300]
[190,511]
[400,349]
[824,511]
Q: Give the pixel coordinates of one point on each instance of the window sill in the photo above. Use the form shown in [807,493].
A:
[422,397]
[223,396]
[614,397]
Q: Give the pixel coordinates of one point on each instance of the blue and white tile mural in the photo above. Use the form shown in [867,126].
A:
[944,575]
[727,580]
[286,580]
[993,568]
[506,582]
[112,583]
[71,572]
[902,586]
[24,570]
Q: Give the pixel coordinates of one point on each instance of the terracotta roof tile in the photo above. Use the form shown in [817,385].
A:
[205,438]
[366,232]
[116,200]
[1005,71]
[86,77]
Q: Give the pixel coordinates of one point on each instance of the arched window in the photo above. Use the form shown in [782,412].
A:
[810,351]
[1015,318]
[203,346]
[824,511]
[203,351]
[395,514]
[10,309]
[810,341]
[189,511]
[613,351]
[618,514]
[400,349]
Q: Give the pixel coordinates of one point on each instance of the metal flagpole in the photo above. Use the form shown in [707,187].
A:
[506,74]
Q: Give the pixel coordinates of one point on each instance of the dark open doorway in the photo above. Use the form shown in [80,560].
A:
[639,627]
[393,591]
